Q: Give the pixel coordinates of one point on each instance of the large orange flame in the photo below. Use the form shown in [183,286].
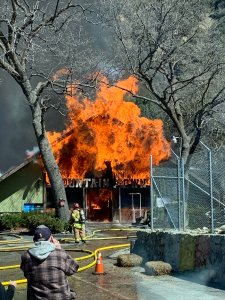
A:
[108,129]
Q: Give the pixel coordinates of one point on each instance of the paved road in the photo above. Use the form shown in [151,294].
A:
[171,288]
[133,284]
[128,285]
[121,283]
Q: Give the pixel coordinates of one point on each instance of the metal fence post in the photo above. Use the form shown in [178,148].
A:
[179,192]
[211,190]
[151,193]
[183,193]
[210,185]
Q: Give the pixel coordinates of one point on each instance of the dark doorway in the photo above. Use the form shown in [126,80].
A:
[99,203]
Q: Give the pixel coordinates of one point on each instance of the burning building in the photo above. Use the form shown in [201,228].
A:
[103,154]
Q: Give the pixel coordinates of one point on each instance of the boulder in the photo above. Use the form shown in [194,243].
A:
[155,268]
[129,260]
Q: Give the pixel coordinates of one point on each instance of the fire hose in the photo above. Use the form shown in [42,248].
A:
[90,255]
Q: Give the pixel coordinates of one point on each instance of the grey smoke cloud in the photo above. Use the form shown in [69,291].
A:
[16,131]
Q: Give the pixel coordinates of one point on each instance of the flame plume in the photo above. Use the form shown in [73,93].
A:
[111,130]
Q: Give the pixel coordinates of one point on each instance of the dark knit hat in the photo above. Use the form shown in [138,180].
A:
[42,233]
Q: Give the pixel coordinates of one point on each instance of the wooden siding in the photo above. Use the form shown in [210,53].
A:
[23,186]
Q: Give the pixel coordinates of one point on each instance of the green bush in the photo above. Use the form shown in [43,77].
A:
[10,221]
[34,219]
[31,220]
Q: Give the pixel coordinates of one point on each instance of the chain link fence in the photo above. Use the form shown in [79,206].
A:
[198,189]
[165,194]
[188,196]
[218,168]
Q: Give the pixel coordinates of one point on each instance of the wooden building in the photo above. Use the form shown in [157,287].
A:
[22,187]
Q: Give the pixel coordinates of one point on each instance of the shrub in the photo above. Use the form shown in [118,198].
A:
[10,221]
[34,219]
[31,220]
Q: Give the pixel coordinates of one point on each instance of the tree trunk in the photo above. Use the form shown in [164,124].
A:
[50,165]
[185,152]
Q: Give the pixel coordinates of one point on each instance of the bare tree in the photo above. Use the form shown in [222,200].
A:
[175,50]
[37,39]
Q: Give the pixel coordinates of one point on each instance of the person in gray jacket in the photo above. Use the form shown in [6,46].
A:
[46,267]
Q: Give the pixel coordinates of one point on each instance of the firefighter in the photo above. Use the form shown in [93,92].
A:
[78,219]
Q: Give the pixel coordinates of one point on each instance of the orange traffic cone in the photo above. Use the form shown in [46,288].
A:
[99,268]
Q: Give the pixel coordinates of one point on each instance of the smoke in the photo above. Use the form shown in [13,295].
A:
[204,276]
[16,131]
[32,152]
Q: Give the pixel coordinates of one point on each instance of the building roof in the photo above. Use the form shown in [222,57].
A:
[15,169]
